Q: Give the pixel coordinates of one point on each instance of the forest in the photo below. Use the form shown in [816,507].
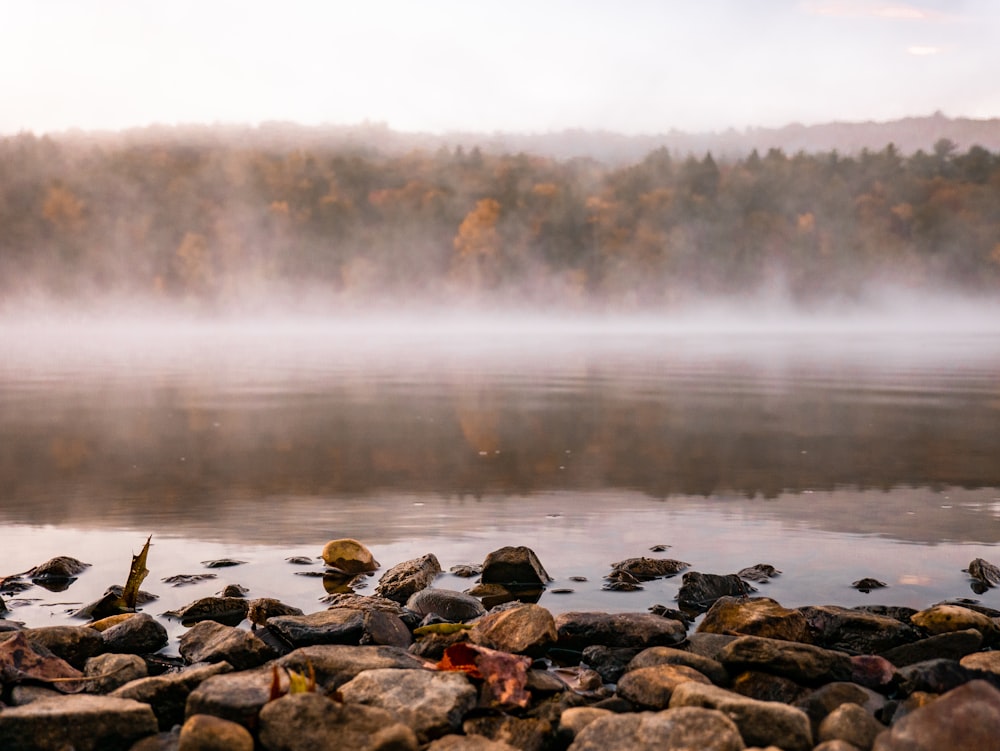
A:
[209,224]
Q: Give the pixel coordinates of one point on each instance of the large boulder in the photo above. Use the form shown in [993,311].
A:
[698,591]
[967,717]
[515,568]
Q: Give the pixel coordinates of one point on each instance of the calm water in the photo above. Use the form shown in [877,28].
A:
[832,453]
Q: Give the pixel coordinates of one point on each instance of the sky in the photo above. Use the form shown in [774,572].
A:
[632,66]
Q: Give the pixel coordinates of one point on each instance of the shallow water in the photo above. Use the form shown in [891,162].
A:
[833,453]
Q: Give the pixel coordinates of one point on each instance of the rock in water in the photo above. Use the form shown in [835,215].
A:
[61,567]
[515,568]
[867,584]
[450,605]
[645,569]
[984,571]
[403,579]
[699,591]
[349,556]
[759,572]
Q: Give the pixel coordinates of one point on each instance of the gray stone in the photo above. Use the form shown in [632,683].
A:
[652,687]
[857,631]
[967,717]
[611,663]
[202,732]
[711,669]
[514,568]
[522,629]
[803,663]
[109,671]
[138,635]
[851,723]
[334,626]
[386,629]
[74,644]
[209,641]
[756,616]
[403,579]
[938,676]
[336,664]
[766,687]
[81,722]
[227,610]
[819,703]
[238,697]
[449,604]
[309,722]
[431,703]
[953,645]
[25,693]
[575,719]
[761,723]
[641,630]
[678,729]
[167,694]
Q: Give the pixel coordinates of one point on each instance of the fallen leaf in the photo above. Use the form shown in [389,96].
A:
[504,675]
[136,574]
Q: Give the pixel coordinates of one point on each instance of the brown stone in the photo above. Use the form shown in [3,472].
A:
[758,616]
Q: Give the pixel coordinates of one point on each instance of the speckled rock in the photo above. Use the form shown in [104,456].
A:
[671,730]
[109,671]
[851,723]
[403,579]
[987,661]
[642,630]
[522,629]
[941,619]
[652,687]
[81,722]
[803,663]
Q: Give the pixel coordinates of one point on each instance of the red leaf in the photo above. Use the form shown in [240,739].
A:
[19,661]
[505,675]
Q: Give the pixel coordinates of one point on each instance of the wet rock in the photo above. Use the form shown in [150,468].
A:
[855,630]
[432,646]
[652,687]
[940,619]
[580,630]
[899,612]
[234,590]
[335,664]
[202,732]
[665,612]
[515,568]
[760,723]
[867,584]
[966,718]
[109,671]
[653,656]
[575,719]
[611,663]
[403,579]
[646,569]
[349,556]
[449,604]
[261,609]
[937,676]
[851,723]
[334,626]
[74,644]
[222,563]
[300,560]
[227,610]
[759,572]
[81,722]
[766,687]
[237,696]
[182,580]
[167,694]
[209,641]
[140,634]
[492,595]
[707,645]
[522,629]
[466,571]
[820,702]
[758,616]
[622,586]
[670,730]
[432,704]
[874,672]
[700,591]
[56,574]
[803,663]
[953,645]
[25,693]
[363,603]
[307,722]
[983,571]
[110,603]
[526,734]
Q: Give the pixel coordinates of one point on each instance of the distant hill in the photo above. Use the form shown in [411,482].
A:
[908,135]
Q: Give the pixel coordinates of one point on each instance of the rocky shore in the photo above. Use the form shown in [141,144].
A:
[413,666]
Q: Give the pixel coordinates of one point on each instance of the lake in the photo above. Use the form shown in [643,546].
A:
[831,450]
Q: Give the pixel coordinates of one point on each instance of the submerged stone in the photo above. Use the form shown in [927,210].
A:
[645,569]
[515,568]
[349,556]
[700,591]
[449,604]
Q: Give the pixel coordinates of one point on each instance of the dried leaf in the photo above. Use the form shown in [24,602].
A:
[505,675]
[136,574]
[276,692]
[19,661]
[441,628]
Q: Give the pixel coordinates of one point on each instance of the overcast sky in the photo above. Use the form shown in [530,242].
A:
[635,66]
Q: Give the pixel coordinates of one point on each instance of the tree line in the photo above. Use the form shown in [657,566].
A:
[211,224]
